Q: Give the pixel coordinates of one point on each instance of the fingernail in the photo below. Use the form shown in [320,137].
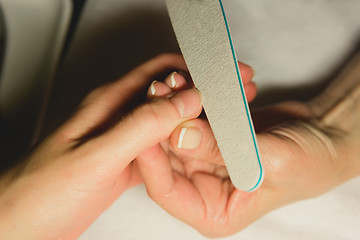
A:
[189,138]
[173,80]
[152,88]
[187,102]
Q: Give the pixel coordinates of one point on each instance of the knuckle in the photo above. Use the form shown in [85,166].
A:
[94,94]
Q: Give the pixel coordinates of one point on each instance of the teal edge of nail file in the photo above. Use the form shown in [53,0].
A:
[204,37]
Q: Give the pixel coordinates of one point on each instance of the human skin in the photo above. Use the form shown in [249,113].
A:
[77,172]
[306,148]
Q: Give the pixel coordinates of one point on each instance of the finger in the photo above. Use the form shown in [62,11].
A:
[194,140]
[246,72]
[161,63]
[105,101]
[158,89]
[168,189]
[176,81]
[156,159]
[143,128]
[250,91]
[135,80]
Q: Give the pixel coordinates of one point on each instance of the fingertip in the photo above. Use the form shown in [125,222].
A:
[182,142]
[176,81]
[189,138]
[194,139]
[188,103]
[158,89]
[250,91]
[246,72]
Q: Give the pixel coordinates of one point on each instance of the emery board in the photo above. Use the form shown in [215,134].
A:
[204,37]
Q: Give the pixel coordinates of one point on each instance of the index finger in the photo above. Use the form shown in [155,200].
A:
[103,102]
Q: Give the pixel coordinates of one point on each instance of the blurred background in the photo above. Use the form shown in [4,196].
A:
[295,47]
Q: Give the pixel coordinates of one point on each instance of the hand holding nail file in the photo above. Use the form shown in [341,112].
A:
[204,38]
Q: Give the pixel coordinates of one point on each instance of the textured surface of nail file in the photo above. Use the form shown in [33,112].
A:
[204,38]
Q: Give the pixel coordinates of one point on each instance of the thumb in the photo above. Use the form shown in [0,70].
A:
[194,140]
[143,128]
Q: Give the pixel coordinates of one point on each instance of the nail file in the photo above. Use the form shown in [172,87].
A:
[204,37]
